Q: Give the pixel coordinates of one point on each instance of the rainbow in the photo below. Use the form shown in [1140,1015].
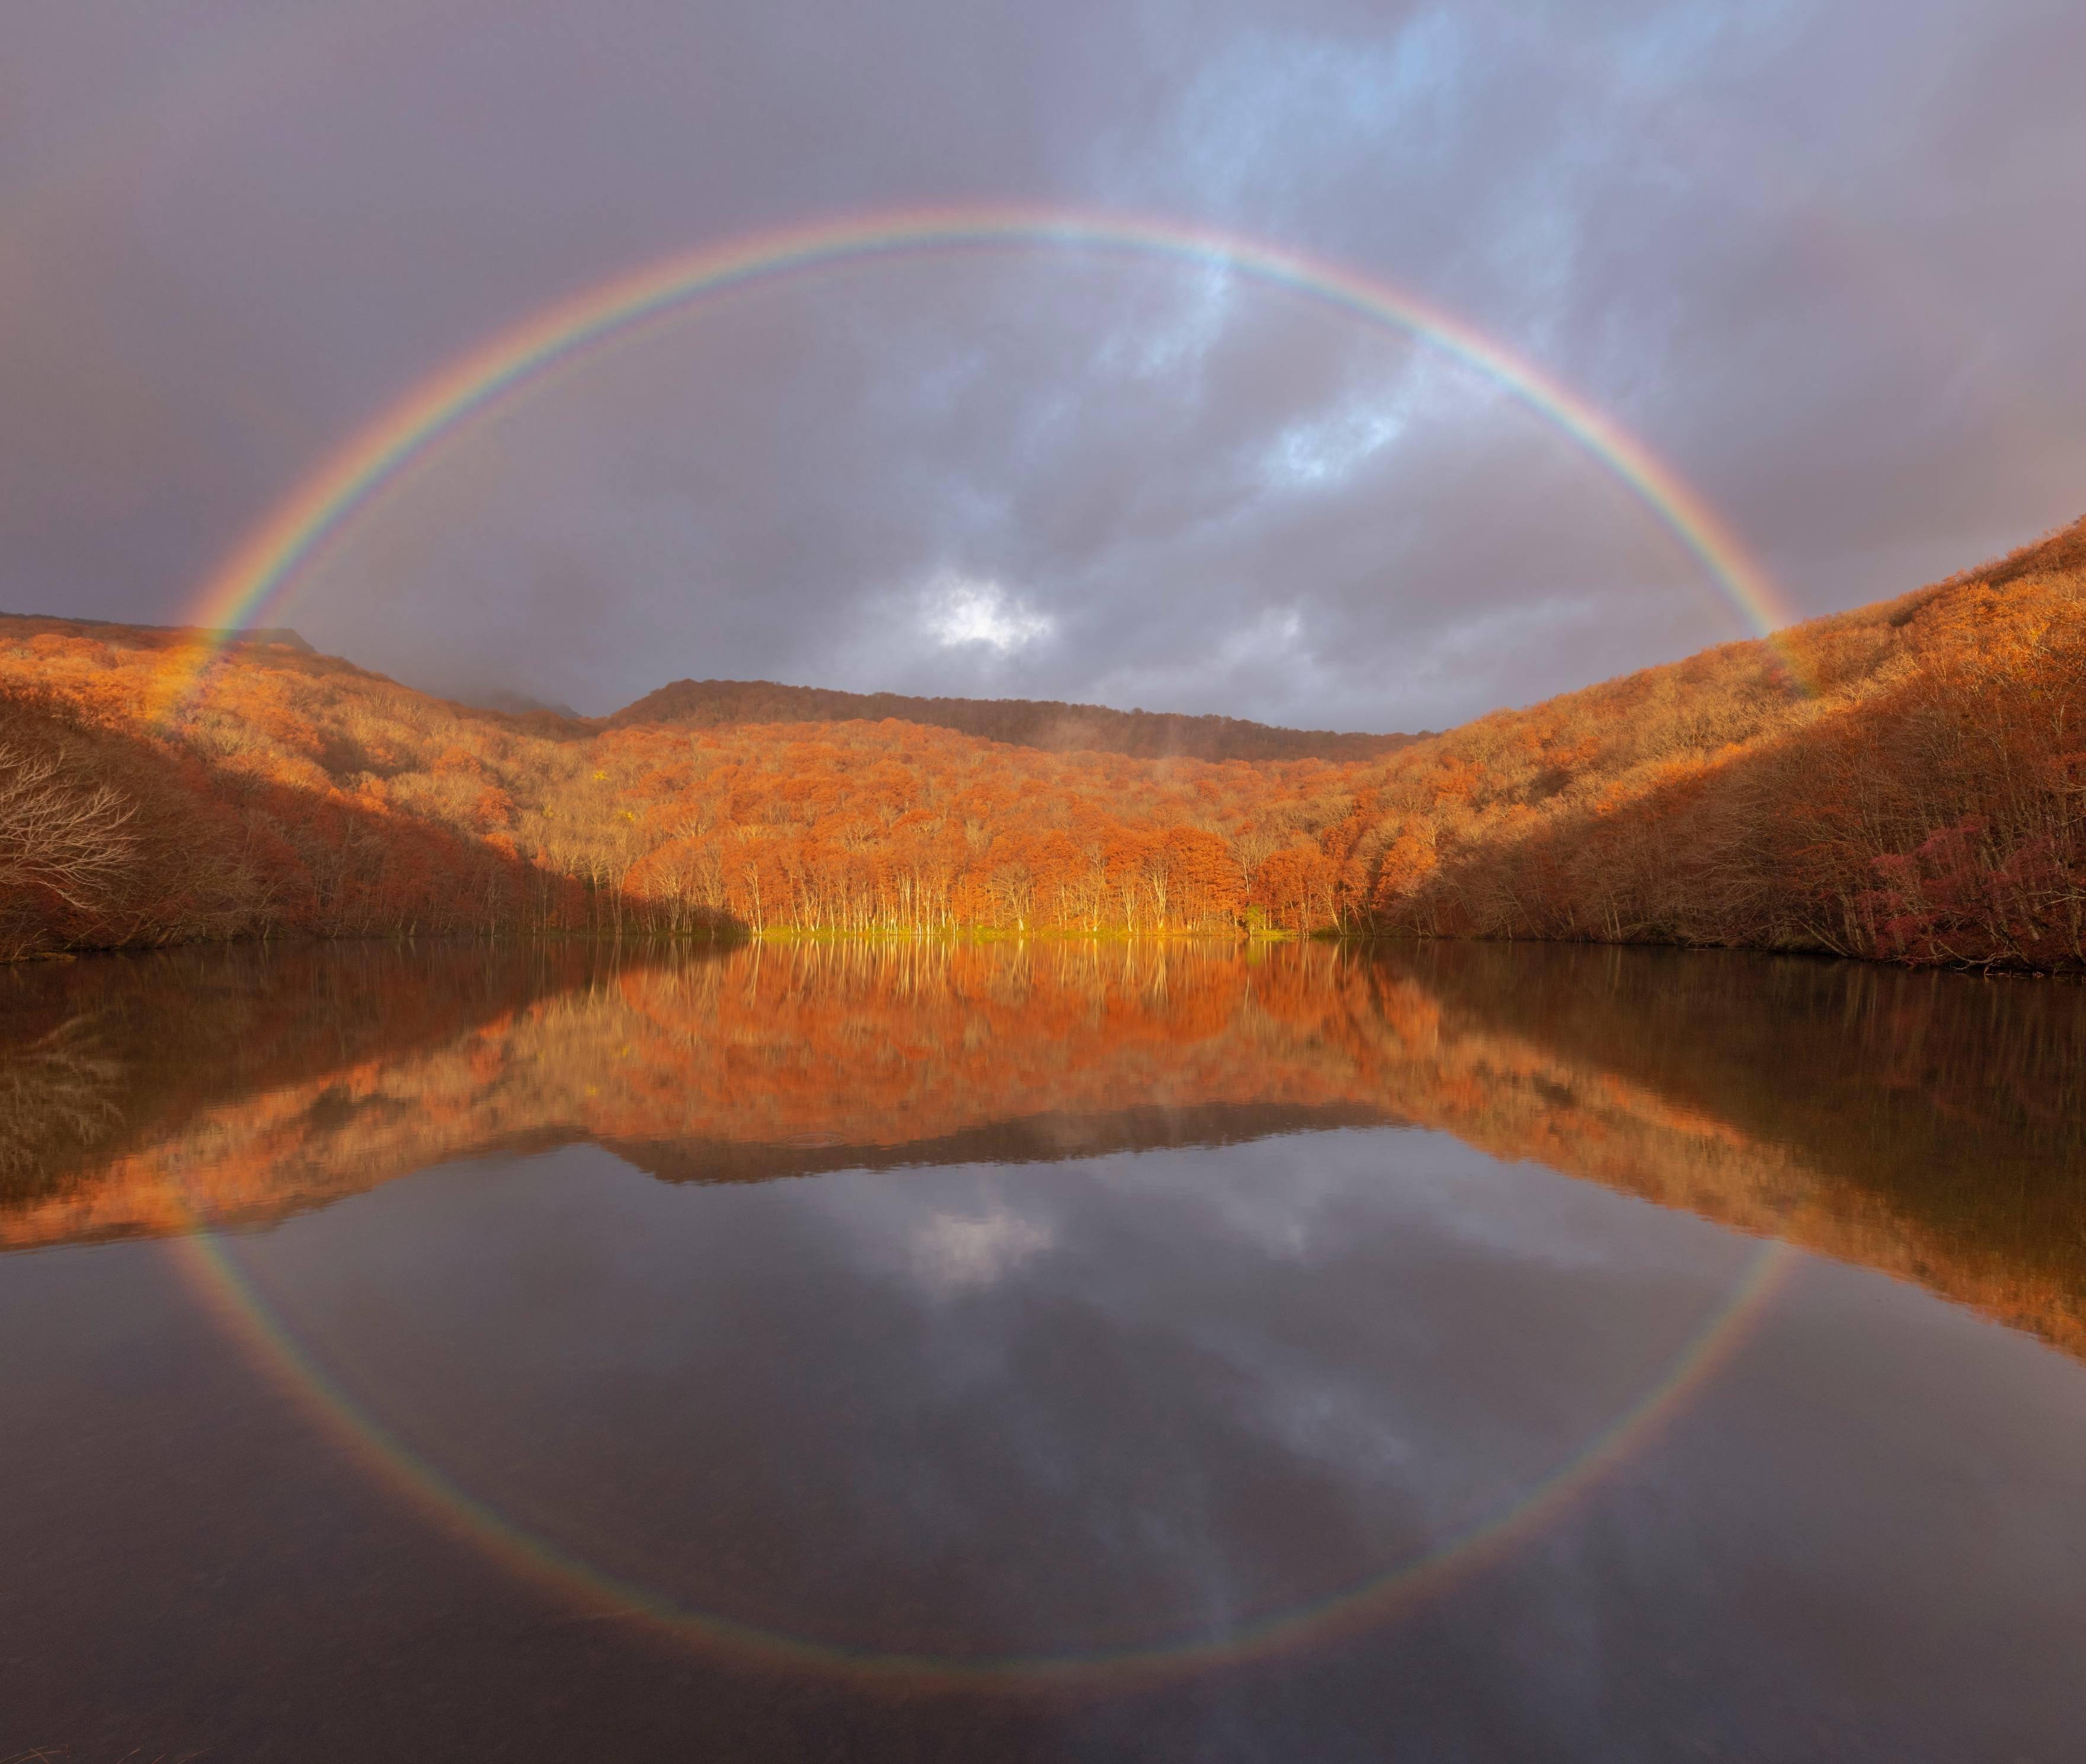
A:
[208,1255]
[252,584]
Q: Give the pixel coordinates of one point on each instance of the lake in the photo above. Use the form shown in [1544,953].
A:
[1112,1351]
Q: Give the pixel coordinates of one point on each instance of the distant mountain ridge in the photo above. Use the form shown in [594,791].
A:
[1046,723]
[509,704]
[266,636]
[1042,723]
[1904,781]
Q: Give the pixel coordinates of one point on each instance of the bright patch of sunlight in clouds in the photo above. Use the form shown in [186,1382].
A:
[964,611]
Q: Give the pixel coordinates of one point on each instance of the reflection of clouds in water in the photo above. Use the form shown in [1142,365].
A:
[1126,1399]
[954,1253]
[1300,1196]
[925,1238]
[1336,1424]
[1472,1299]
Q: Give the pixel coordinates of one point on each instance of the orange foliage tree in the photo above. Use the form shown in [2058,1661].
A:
[1907,781]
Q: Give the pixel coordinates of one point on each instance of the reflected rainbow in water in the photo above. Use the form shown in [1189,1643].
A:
[1699,1082]
[211,1260]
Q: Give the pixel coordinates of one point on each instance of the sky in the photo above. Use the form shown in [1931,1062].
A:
[1823,262]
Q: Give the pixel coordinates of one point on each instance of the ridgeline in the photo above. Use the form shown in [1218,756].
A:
[1906,781]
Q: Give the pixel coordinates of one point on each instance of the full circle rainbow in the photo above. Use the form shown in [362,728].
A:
[266,567]
[1483,1539]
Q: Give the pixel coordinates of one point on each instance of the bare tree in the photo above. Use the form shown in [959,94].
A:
[58,1093]
[66,839]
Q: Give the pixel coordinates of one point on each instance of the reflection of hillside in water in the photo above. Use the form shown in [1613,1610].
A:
[1928,1125]
[239,1086]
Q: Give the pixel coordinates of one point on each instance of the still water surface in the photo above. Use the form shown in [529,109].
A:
[1151,1351]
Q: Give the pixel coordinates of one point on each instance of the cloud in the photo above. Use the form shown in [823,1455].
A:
[1763,238]
[961,612]
[1327,451]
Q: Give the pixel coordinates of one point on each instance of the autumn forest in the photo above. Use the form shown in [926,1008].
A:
[1905,782]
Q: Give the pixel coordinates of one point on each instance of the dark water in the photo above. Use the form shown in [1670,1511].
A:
[1456,1353]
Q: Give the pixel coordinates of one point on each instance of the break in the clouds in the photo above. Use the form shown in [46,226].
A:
[960,613]
[1820,259]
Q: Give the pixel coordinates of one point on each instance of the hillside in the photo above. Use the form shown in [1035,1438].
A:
[1043,723]
[1907,781]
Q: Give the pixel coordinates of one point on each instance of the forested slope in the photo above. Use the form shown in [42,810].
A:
[1042,723]
[1906,781]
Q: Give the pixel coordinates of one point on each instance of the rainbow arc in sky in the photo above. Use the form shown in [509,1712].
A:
[253,585]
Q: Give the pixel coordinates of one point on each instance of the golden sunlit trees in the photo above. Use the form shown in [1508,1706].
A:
[1906,781]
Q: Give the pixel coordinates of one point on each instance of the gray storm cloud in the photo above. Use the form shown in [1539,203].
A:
[1820,260]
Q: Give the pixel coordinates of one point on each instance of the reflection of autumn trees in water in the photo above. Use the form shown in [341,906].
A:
[1905,780]
[254,1083]
[1926,1124]
[1931,1126]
